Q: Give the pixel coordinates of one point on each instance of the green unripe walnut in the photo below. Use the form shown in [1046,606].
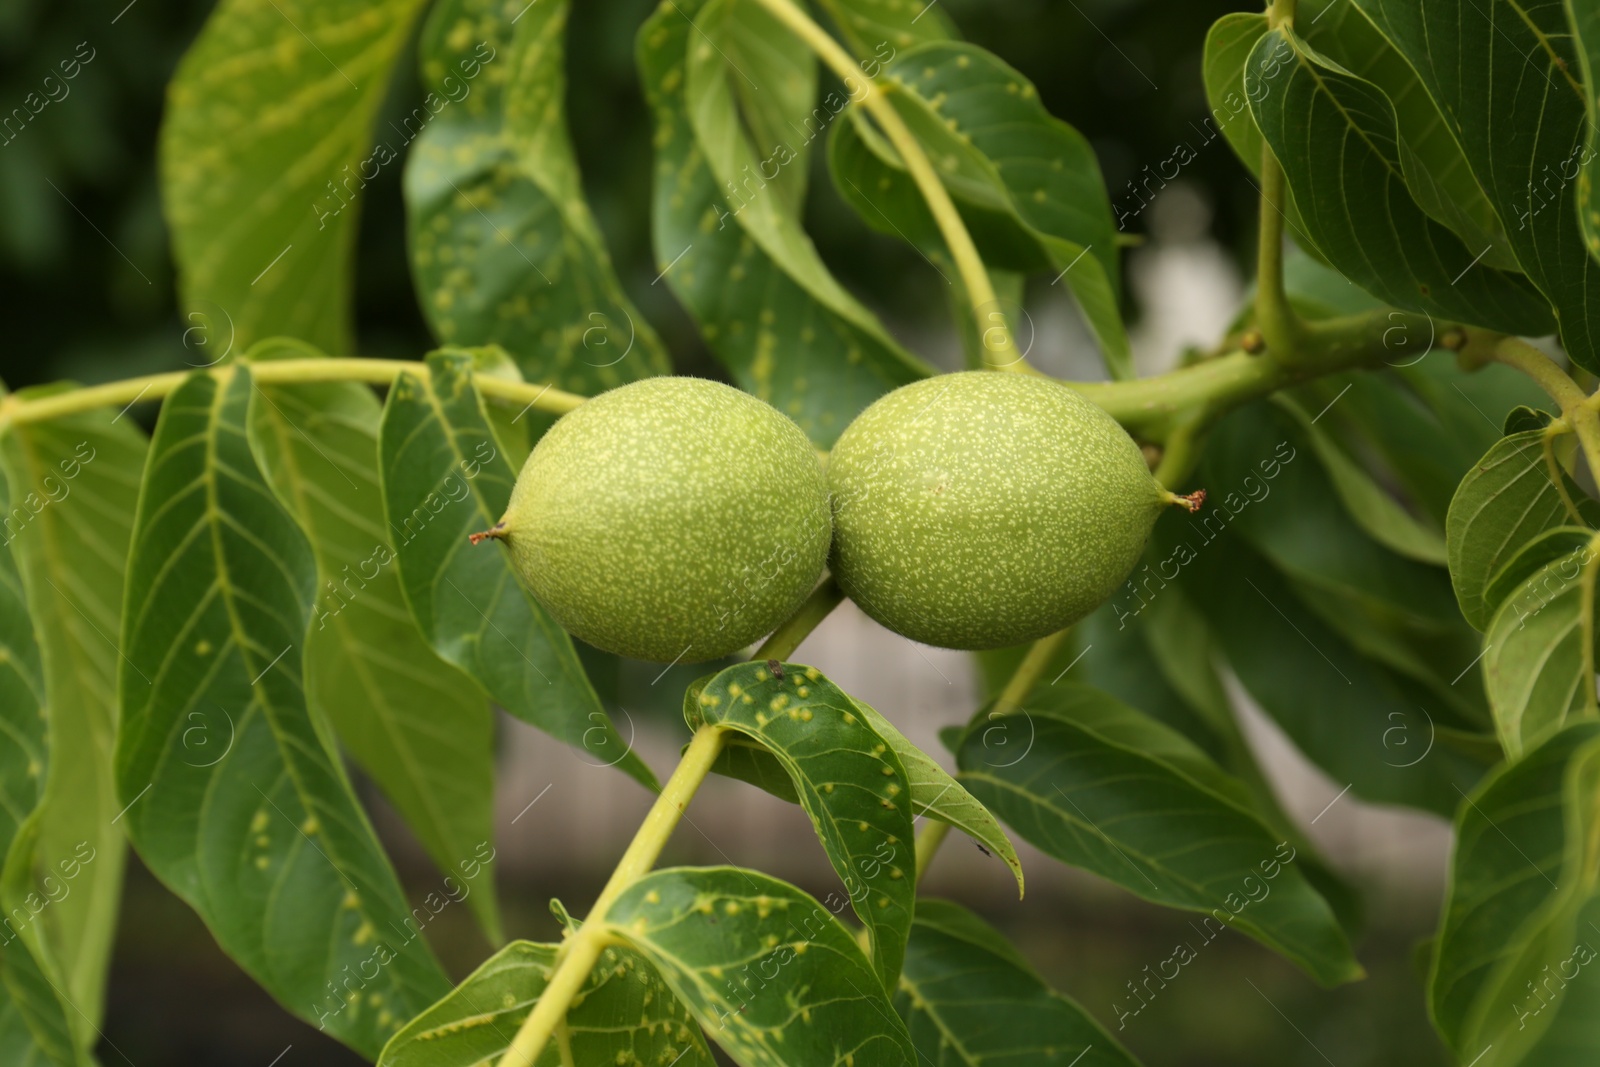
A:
[673,519]
[983,509]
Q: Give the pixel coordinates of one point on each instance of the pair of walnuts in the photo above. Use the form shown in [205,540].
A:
[679,520]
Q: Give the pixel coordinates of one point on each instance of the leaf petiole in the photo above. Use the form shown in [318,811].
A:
[579,953]
[999,348]
[16,410]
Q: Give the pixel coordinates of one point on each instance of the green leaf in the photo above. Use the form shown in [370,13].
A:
[1369,504]
[503,246]
[34,1024]
[848,779]
[84,469]
[1547,547]
[1585,22]
[444,478]
[938,796]
[1395,610]
[53,1027]
[1522,418]
[817,363]
[739,125]
[767,970]
[1504,75]
[624,1013]
[233,792]
[1437,173]
[1535,665]
[870,26]
[265,149]
[933,792]
[969,999]
[1030,183]
[1516,492]
[1115,649]
[1335,136]
[1081,776]
[1347,712]
[515,425]
[1514,963]
[421,728]
[1162,660]
[23,708]
[1423,421]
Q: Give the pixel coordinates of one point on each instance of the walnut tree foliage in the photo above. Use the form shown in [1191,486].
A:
[203,628]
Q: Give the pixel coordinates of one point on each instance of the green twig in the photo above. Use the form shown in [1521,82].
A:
[1155,407]
[1276,320]
[16,410]
[928,843]
[1023,679]
[786,638]
[1577,409]
[579,953]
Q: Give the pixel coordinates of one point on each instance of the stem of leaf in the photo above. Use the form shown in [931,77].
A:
[1576,408]
[1556,474]
[1153,407]
[15,410]
[578,955]
[1022,681]
[786,638]
[1275,319]
[1027,674]
[1198,393]
[928,843]
[1181,453]
[999,349]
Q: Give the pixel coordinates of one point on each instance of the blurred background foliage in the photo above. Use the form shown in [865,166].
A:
[88,287]
[84,256]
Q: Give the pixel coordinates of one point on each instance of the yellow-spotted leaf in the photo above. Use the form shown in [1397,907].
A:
[503,247]
[266,147]
[34,1018]
[76,481]
[419,726]
[934,793]
[849,780]
[766,307]
[233,789]
[445,478]
[768,971]
[624,1014]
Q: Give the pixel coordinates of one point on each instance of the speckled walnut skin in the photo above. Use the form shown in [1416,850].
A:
[671,520]
[982,509]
